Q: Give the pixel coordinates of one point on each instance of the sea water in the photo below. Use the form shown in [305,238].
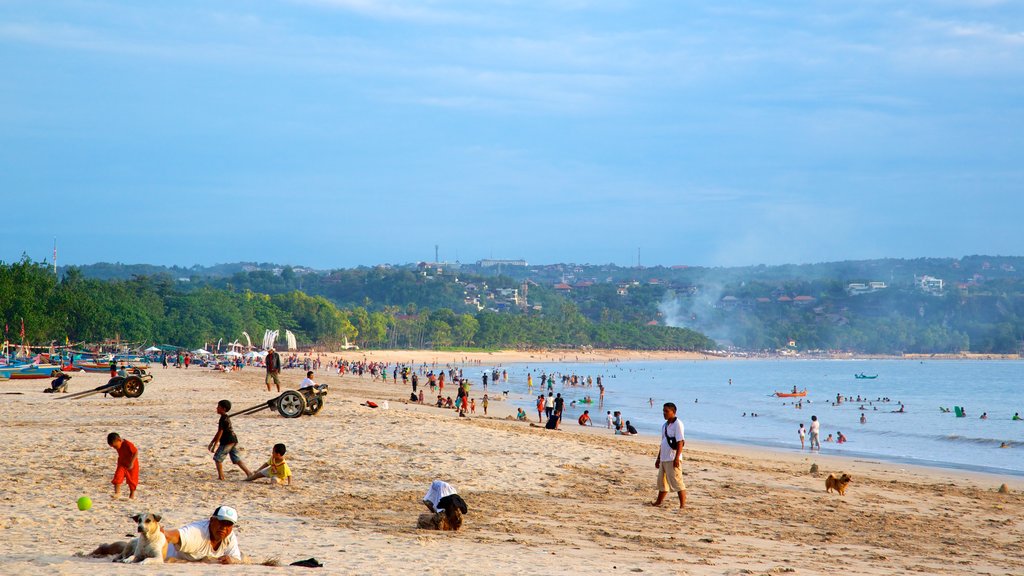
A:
[711,408]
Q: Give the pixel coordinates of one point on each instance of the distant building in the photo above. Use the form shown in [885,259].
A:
[492,263]
[929,284]
[857,289]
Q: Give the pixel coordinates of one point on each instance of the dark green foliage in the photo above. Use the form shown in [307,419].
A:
[152,309]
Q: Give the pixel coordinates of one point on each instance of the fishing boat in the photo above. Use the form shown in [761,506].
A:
[799,394]
[103,367]
[31,372]
[863,376]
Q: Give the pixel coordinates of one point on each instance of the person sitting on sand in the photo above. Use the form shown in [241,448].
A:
[448,403]
[276,468]
[630,430]
[584,418]
[521,415]
[440,401]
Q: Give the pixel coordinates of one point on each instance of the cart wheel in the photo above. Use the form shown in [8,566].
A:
[291,404]
[133,387]
[118,390]
[315,404]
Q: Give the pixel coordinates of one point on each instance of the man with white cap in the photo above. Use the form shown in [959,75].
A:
[206,540]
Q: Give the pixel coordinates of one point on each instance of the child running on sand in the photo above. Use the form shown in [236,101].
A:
[276,468]
[226,442]
[127,468]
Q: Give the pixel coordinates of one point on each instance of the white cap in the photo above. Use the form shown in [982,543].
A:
[226,514]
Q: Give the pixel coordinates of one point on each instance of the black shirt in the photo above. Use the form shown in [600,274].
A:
[227,435]
[559,404]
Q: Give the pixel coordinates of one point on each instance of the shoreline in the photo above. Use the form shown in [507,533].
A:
[505,410]
[602,355]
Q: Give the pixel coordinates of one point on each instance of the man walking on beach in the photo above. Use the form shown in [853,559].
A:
[273,369]
[670,473]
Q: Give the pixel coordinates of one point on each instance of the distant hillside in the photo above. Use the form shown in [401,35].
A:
[926,305]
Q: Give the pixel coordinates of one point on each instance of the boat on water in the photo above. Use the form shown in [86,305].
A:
[799,394]
[863,376]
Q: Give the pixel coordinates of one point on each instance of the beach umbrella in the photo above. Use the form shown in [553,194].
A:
[232,354]
[200,352]
[152,349]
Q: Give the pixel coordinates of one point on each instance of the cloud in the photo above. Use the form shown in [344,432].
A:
[421,12]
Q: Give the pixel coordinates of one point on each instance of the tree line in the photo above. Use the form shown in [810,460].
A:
[158,310]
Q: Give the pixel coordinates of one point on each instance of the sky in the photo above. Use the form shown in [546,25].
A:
[337,133]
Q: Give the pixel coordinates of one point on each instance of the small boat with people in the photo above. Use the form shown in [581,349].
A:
[793,394]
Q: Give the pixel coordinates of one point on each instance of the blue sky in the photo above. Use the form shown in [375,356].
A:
[343,132]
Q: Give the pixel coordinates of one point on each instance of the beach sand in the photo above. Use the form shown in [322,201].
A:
[541,502]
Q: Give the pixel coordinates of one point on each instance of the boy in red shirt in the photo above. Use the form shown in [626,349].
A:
[127,464]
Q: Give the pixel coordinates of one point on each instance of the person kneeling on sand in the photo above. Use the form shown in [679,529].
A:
[211,540]
[585,418]
[445,505]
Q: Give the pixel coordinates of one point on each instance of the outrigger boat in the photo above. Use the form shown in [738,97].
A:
[863,376]
[29,372]
[800,394]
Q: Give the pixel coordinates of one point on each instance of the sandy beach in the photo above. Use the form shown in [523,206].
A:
[541,502]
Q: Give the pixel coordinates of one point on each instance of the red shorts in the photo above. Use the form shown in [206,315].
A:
[130,474]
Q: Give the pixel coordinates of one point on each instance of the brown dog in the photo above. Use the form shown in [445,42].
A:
[838,484]
[450,519]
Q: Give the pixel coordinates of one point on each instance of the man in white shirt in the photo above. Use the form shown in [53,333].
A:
[670,474]
[206,540]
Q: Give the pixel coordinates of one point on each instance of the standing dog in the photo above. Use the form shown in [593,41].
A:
[150,546]
[838,484]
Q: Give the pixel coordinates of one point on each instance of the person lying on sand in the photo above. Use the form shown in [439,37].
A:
[206,540]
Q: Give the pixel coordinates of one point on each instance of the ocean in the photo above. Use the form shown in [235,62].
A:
[713,409]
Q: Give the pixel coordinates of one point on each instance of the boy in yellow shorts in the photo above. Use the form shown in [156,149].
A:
[276,468]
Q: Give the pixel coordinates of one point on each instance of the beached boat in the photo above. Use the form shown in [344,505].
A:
[799,394]
[33,372]
[863,376]
[104,367]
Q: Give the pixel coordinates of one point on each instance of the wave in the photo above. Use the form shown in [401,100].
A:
[980,441]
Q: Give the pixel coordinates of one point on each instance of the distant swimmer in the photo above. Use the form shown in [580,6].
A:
[984,416]
[863,419]
[1004,445]
[1016,416]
